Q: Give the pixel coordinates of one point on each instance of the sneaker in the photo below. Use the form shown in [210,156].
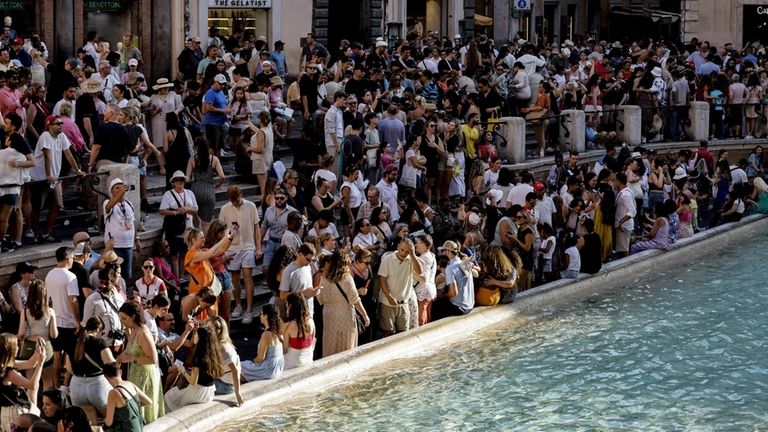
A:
[48,238]
[30,235]
[237,312]
[8,246]
[94,230]
[247,318]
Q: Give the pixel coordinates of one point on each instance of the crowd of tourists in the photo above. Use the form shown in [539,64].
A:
[397,210]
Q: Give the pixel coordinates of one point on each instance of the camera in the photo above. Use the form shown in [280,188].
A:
[116,335]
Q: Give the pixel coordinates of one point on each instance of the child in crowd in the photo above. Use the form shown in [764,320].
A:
[546,250]
[572,243]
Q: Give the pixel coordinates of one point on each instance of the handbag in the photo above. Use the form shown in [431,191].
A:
[13,395]
[174,225]
[215,286]
[358,319]
[536,117]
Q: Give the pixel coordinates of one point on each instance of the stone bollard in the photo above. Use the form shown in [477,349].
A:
[572,130]
[629,125]
[513,131]
[129,174]
[698,116]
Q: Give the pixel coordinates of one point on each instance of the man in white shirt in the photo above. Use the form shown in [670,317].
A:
[61,285]
[625,215]
[104,303]
[518,192]
[120,225]
[334,127]
[69,96]
[397,273]
[107,80]
[388,189]
[739,173]
[297,277]
[545,206]
[50,147]
[245,248]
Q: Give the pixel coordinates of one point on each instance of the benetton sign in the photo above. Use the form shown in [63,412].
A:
[105,5]
[245,4]
[11,5]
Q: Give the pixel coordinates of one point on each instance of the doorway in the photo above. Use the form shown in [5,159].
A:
[755,24]
[347,19]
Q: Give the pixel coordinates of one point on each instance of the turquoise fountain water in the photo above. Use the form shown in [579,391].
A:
[685,348]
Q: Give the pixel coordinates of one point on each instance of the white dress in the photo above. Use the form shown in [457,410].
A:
[171,103]
[457,186]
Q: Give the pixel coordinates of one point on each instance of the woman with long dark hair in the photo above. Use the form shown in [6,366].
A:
[38,326]
[177,143]
[499,276]
[201,170]
[141,356]
[11,380]
[89,388]
[269,361]
[206,366]
[298,333]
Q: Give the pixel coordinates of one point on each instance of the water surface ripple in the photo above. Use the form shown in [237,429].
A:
[681,349]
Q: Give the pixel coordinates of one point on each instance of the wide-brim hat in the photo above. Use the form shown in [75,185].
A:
[680,173]
[656,71]
[276,81]
[161,84]
[179,175]
[115,182]
[617,45]
[110,257]
[91,86]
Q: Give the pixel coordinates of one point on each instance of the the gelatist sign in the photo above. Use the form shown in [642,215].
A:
[244,4]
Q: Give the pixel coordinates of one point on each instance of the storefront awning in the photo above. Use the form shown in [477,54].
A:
[483,20]
[654,15]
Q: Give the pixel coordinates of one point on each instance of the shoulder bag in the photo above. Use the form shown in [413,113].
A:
[360,323]
[175,225]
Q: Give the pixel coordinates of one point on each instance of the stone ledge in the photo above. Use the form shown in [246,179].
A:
[334,370]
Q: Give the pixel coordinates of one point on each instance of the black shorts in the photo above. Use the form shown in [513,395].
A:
[176,245]
[67,338]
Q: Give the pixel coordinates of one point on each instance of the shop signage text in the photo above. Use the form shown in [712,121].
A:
[261,4]
[102,5]
[11,5]
[762,10]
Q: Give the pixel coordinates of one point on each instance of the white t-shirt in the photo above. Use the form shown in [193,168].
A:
[331,228]
[120,224]
[738,175]
[55,146]
[549,241]
[355,197]
[229,355]
[490,178]
[325,175]
[186,198]
[98,305]
[151,325]
[57,107]
[517,194]
[574,259]
[247,217]
[546,208]
[61,284]
[295,279]
[363,240]
[389,196]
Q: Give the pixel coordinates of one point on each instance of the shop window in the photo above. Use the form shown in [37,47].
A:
[23,14]
[247,20]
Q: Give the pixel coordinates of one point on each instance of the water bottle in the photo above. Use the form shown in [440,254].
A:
[53,185]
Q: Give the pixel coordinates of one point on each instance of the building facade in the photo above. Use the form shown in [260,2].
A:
[721,21]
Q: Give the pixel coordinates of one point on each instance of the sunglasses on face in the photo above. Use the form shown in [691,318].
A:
[148,267]
[280,198]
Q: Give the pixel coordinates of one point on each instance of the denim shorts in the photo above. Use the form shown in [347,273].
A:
[226,281]
[134,160]
[89,391]
[223,388]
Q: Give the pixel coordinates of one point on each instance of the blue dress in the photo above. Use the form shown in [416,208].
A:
[271,367]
